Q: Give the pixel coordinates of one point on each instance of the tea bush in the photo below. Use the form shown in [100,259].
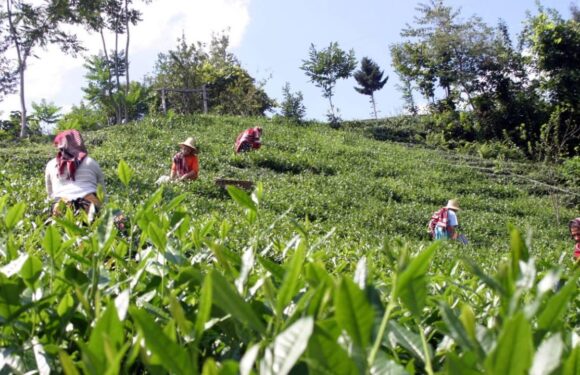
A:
[324,268]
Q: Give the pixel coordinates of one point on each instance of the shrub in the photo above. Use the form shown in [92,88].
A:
[570,169]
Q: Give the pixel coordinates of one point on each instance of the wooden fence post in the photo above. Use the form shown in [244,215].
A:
[204,96]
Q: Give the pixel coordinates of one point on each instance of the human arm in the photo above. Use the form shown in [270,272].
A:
[453,234]
[192,175]
[100,178]
[452,225]
[48,181]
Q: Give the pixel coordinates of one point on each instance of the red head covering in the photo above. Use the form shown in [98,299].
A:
[71,152]
[575,223]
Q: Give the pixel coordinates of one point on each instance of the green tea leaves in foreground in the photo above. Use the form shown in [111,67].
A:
[557,304]
[52,241]
[171,355]
[287,347]
[513,351]
[125,173]
[354,312]
[411,286]
[227,298]
[292,276]
[241,197]
[14,215]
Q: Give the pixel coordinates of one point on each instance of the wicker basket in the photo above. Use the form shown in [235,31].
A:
[242,184]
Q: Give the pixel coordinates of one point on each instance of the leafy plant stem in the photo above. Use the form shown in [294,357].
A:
[382,328]
[428,367]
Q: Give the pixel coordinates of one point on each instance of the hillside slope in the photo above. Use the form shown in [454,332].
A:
[332,273]
[369,191]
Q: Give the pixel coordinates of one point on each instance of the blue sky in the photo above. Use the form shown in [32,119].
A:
[280,32]
[270,38]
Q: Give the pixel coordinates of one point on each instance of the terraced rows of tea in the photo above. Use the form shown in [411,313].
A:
[325,267]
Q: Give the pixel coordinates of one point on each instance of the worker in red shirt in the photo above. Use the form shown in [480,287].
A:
[248,139]
[185,164]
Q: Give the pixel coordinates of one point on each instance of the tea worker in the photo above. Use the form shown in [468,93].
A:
[185,164]
[72,176]
[248,139]
[444,223]
[574,226]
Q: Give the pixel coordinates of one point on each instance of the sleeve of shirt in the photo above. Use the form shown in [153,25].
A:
[98,173]
[47,180]
[452,217]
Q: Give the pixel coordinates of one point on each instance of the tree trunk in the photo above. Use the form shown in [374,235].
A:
[23,124]
[127,58]
[21,68]
[119,104]
[374,105]
[331,106]
[109,78]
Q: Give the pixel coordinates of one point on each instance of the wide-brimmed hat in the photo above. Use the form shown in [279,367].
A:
[453,204]
[189,142]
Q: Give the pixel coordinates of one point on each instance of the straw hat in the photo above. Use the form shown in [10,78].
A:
[189,142]
[453,204]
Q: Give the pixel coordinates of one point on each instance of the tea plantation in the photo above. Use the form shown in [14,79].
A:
[325,268]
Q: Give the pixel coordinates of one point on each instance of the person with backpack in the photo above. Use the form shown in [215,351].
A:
[72,177]
[444,223]
[574,227]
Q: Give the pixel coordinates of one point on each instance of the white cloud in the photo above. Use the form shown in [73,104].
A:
[58,78]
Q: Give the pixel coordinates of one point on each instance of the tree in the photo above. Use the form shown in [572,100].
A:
[115,16]
[292,106]
[232,90]
[555,46]
[370,78]
[442,50]
[8,73]
[103,95]
[325,67]
[47,114]
[31,26]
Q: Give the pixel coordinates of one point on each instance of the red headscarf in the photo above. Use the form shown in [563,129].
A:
[71,152]
[574,226]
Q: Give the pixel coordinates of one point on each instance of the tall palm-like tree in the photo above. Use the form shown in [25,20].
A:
[370,78]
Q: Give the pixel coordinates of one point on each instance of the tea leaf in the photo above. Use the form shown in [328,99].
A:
[124,172]
[287,347]
[556,305]
[14,215]
[173,357]
[291,277]
[328,356]
[354,313]
[572,364]
[226,297]
[52,241]
[241,197]
[411,285]
[514,348]
[548,356]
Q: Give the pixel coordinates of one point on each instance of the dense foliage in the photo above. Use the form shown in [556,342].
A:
[525,95]
[292,105]
[324,67]
[323,268]
[230,88]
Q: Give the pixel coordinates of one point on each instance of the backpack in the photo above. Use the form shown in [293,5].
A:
[439,216]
